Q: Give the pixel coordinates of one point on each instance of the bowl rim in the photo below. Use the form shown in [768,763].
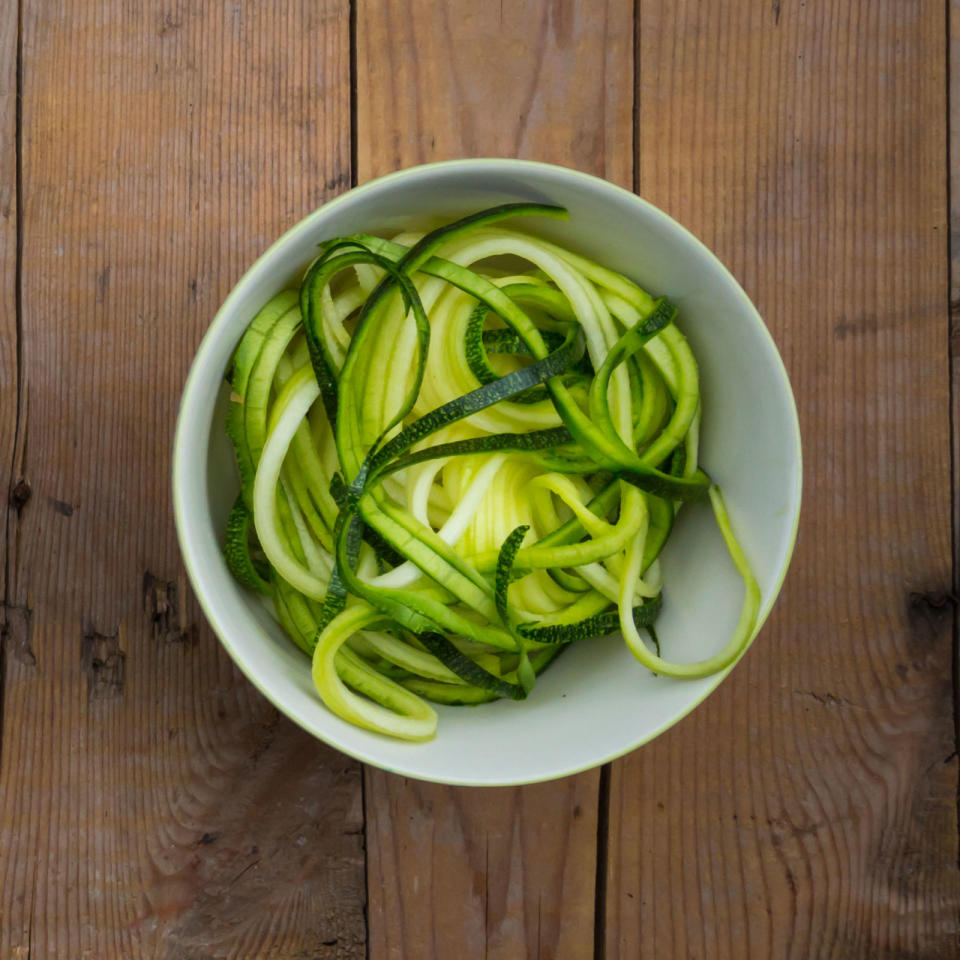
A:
[194,379]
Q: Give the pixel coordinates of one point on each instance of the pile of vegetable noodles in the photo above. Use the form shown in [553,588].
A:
[458,453]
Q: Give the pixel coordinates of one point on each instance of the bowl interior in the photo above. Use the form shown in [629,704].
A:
[596,701]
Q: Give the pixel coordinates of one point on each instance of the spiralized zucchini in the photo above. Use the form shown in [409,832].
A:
[458,453]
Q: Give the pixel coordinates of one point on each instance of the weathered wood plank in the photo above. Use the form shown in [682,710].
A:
[151,803]
[809,808]
[499,873]
[953,122]
[537,79]
[504,873]
[9,363]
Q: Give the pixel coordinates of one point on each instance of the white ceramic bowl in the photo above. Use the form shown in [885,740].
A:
[596,702]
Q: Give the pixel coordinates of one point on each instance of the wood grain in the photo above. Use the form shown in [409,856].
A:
[471,873]
[151,803]
[953,173]
[537,79]
[492,873]
[808,809]
[9,335]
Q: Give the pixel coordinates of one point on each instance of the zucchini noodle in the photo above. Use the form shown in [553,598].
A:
[460,452]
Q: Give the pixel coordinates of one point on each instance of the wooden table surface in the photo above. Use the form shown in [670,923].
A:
[152,804]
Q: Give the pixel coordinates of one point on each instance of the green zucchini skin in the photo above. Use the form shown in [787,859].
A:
[600,625]
[504,572]
[479,343]
[535,441]
[468,670]
[237,549]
